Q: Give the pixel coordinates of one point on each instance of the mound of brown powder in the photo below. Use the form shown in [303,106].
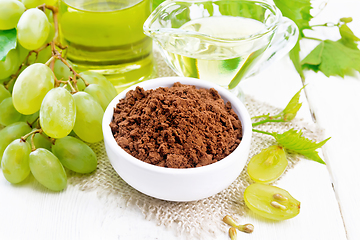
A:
[176,127]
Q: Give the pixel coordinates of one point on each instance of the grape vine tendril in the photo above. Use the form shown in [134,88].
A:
[267,120]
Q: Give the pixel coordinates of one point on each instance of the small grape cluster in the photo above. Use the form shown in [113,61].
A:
[47,109]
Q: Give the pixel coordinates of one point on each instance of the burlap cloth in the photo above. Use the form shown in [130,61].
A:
[199,219]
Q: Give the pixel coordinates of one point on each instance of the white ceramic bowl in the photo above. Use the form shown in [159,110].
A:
[179,184]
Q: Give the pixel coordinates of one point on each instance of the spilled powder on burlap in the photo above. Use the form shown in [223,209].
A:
[198,219]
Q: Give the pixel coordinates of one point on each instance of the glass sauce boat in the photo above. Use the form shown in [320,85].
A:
[220,41]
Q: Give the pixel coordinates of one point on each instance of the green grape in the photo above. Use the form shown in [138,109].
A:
[15,161]
[42,57]
[10,65]
[62,72]
[31,87]
[80,84]
[33,29]
[4,93]
[51,33]
[57,113]
[49,15]
[89,116]
[268,165]
[12,132]
[97,78]
[8,113]
[35,3]
[47,169]
[10,13]
[271,202]
[100,94]
[50,2]
[75,154]
[22,53]
[40,140]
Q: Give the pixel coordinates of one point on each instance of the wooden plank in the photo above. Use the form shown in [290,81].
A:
[335,102]
[309,182]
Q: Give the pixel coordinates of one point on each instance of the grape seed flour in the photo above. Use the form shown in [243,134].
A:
[176,127]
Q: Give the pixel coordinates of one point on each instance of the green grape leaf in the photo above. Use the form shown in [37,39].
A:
[292,108]
[348,38]
[294,141]
[296,10]
[346,19]
[156,3]
[288,114]
[7,42]
[332,58]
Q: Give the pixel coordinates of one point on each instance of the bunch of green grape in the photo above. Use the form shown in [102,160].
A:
[269,201]
[41,106]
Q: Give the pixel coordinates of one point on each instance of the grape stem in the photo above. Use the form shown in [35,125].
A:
[32,134]
[259,131]
[41,7]
[267,118]
[31,124]
[72,69]
[71,86]
[326,25]
[50,60]
[33,148]
[266,121]
[55,12]
[56,54]
[51,140]
[37,51]
[55,43]
[52,64]
[312,38]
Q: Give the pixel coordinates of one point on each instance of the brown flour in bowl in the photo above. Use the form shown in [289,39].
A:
[176,127]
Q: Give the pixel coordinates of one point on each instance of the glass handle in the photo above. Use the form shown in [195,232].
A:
[283,41]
